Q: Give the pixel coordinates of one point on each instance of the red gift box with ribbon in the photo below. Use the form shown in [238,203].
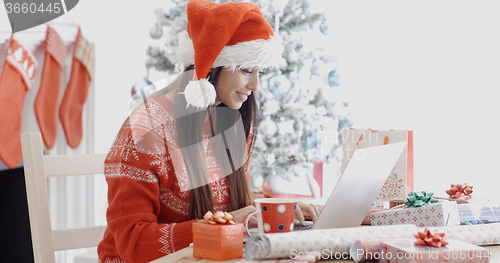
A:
[217,242]
[432,246]
[403,251]
[217,238]
[429,246]
[443,244]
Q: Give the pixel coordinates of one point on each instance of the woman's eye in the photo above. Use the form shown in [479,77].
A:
[246,71]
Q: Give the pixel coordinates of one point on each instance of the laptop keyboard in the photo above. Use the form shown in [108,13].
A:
[299,227]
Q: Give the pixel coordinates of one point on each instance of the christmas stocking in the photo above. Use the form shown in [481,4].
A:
[18,72]
[77,90]
[47,98]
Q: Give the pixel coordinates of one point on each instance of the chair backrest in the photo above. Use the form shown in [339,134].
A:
[37,168]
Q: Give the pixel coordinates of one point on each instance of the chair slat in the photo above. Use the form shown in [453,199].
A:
[68,165]
[77,238]
[37,196]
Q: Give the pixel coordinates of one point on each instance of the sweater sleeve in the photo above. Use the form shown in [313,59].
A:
[132,171]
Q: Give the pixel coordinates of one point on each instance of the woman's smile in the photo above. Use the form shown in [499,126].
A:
[243,96]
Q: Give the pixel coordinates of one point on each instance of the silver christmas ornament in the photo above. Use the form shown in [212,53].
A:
[156,32]
[298,126]
[267,127]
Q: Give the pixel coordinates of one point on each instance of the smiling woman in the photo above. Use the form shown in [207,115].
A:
[185,150]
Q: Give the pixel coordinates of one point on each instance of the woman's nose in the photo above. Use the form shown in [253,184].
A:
[253,85]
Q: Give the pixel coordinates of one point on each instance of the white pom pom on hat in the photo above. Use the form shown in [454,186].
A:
[200,93]
[231,35]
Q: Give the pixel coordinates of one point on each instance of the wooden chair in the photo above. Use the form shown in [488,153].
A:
[37,168]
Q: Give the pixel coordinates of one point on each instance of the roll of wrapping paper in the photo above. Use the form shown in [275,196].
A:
[485,234]
[365,250]
[329,242]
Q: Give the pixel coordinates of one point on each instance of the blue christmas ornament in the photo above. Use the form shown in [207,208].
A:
[171,11]
[140,91]
[313,145]
[279,85]
[140,85]
[333,78]
[324,27]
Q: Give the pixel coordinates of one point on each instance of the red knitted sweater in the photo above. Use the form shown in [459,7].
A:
[148,214]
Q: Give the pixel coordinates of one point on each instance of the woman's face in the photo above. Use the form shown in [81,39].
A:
[233,88]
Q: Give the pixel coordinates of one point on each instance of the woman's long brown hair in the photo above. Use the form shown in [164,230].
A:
[190,128]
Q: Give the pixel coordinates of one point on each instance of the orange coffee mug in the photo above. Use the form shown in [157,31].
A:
[274,215]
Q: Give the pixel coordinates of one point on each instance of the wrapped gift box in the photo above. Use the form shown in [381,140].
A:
[217,242]
[429,215]
[484,234]
[477,213]
[404,250]
[367,219]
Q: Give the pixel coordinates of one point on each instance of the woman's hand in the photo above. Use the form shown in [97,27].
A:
[240,214]
[312,209]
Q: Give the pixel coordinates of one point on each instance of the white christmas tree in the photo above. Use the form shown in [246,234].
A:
[301,110]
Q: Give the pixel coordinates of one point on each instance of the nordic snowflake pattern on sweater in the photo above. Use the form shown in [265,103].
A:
[148,213]
[113,260]
[167,239]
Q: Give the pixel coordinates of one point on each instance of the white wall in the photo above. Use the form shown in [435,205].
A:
[429,66]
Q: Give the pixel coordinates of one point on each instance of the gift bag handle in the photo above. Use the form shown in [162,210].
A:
[386,140]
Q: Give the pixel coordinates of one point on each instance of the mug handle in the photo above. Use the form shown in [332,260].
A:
[246,219]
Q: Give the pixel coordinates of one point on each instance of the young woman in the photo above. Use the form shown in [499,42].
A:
[186,149]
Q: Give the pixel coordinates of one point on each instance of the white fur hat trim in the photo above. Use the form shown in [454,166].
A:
[250,54]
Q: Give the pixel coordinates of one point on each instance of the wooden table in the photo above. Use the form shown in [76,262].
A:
[186,256]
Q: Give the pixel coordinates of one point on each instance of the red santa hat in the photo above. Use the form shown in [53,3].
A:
[231,35]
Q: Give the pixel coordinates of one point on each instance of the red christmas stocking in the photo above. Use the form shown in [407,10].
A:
[47,98]
[77,90]
[18,72]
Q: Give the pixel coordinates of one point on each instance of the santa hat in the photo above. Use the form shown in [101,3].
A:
[231,35]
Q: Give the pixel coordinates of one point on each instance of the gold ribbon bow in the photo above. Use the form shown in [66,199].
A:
[459,190]
[219,217]
[430,238]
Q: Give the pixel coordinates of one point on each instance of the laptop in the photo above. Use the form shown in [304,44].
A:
[359,185]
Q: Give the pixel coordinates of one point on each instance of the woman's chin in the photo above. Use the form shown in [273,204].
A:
[234,106]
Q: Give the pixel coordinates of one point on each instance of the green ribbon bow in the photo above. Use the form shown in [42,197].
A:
[419,199]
